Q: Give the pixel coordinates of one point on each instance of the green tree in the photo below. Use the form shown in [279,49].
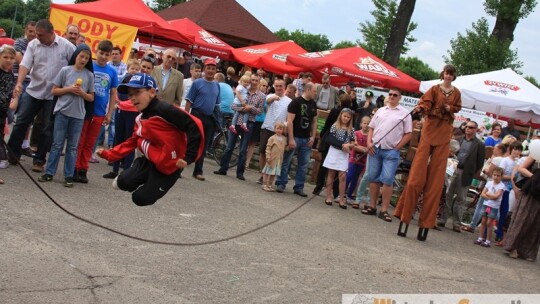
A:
[376,34]
[478,51]
[344,44]
[310,42]
[532,80]
[10,9]
[417,69]
[37,9]
[159,5]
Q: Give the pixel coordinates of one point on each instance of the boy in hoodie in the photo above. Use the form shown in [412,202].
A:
[73,85]
[168,137]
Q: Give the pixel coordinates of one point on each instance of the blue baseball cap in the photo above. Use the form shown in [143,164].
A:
[138,81]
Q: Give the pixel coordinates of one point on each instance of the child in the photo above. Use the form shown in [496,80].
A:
[341,140]
[492,194]
[7,84]
[105,83]
[73,85]
[124,115]
[357,159]
[274,156]
[195,70]
[240,99]
[169,138]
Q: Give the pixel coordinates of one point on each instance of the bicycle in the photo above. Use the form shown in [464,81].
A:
[219,144]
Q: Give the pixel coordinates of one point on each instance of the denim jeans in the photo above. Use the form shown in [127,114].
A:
[304,154]
[208,123]
[28,109]
[227,154]
[362,194]
[69,128]
[477,213]
[383,165]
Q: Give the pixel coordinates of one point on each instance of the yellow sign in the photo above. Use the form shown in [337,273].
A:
[95,30]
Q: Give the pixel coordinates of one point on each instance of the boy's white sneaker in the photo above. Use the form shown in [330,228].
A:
[4,164]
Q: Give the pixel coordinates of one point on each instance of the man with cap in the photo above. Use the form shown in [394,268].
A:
[349,89]
[4,39]
[169,138]
[366,107]
[202,99]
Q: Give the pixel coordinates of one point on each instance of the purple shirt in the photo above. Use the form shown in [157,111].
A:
[384,120]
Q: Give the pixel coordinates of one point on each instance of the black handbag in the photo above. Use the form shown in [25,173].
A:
[333,141]
[323,145]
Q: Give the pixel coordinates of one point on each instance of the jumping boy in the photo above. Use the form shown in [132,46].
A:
[169,138]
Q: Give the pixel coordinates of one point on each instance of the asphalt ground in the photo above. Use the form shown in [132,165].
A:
[312,256]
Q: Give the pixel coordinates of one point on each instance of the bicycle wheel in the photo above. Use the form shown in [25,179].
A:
[219,145]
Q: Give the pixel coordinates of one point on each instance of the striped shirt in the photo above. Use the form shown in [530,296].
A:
[20,47]
[121,69]
[384,120]
[45,62]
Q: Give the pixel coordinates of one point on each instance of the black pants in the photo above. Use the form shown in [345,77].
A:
[145,182]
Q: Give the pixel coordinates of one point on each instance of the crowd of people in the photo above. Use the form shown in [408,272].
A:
[170,114]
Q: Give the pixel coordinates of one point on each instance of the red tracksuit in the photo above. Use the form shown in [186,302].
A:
[164,134]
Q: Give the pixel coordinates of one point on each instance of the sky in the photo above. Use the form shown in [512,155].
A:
[439,21]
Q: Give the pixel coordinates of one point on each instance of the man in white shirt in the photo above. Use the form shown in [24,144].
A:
[276,110]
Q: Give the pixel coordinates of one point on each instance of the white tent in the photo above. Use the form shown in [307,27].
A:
[501,92]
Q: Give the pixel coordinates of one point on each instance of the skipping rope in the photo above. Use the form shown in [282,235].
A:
[167,243]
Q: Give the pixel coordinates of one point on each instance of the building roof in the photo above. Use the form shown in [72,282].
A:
[227,19]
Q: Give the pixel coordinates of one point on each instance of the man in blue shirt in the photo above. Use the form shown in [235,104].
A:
[202,100]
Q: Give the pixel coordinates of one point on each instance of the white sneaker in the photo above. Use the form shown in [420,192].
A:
[4,164]
[115,183]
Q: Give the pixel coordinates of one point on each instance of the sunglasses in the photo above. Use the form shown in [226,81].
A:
[149,59]
[393,95]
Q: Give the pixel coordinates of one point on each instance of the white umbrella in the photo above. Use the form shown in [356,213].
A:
[501,92]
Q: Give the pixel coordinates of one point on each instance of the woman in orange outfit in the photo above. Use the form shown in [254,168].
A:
[427,174]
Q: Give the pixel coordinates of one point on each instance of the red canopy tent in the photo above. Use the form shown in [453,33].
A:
[152,28]
[270,56]
[205,44]
[357,65]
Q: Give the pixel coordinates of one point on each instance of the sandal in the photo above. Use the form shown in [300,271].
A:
[343,206]
[369,211]
[329,203]
[385,216]
[467,228]
[355,205]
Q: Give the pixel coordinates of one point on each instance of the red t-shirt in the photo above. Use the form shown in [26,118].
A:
[359,158]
